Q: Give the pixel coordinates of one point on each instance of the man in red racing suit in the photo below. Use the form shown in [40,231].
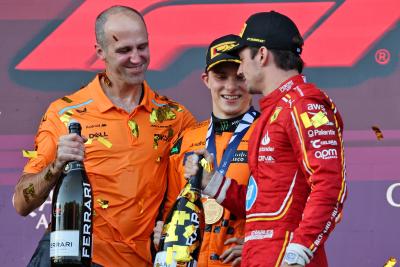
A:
[295,195]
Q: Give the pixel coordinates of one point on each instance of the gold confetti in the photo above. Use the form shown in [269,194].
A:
[104,141]
[29,154]
[103,203]
[162,114]
[188,193]
[391,262]
[66,99]
[48,174]
[208,166]
[170,132]
[29,192]
[134,128]
[89,141]
[66,117]
[189,230]
[317,120]
[378,132]
[155,141]
[158,159]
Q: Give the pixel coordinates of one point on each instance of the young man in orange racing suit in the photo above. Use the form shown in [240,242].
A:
[232,116]
[296,192]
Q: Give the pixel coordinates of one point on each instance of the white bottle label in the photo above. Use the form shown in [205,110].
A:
[161,260]
[64,243]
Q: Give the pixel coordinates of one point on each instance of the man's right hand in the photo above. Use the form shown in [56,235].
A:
[69,147]
[33,189]
[192,166]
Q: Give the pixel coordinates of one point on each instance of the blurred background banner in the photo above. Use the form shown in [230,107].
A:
[351,51]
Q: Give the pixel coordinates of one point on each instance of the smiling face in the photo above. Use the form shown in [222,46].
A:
[228,92]
[126,49]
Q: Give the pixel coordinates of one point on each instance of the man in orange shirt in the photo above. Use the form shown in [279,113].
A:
[128,129]
[227,134]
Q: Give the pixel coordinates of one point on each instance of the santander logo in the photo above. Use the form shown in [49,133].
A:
[265,141]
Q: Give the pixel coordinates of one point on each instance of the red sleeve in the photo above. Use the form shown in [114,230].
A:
[315,131]
[228,193]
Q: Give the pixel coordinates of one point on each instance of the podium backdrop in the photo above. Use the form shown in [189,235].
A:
[351,51]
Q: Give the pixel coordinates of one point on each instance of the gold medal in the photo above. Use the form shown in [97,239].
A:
[212,211]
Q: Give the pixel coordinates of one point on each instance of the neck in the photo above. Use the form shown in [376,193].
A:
[125,96]
[276,77]
[225,124]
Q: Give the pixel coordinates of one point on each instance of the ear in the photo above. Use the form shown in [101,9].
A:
[264,54]
[100,52]
[204,77]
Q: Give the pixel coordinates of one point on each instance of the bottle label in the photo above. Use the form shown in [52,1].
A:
[87,221]
[72,166]
[64,243]
[162,260]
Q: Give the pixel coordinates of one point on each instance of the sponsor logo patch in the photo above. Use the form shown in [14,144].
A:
[240,156]
[326,154]
[252,191]
[318,143]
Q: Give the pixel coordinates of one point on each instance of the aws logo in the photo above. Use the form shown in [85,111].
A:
[329,27]
[222,47]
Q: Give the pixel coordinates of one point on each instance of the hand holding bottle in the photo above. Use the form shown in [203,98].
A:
[192,166]
[70,147]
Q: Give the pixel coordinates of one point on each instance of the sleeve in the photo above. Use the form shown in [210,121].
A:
[188,119]
[50,128]
[228,193]
[174,176]
[315,132]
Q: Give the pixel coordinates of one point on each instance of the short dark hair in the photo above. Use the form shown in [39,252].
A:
[102,18]
[284,59]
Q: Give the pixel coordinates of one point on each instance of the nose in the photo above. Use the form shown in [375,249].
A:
[231,84]
[240,70]
[135,57]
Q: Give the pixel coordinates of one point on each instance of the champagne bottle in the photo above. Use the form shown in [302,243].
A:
[181,237]
[72,207]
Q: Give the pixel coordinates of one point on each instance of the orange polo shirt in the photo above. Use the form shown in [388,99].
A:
[126,162]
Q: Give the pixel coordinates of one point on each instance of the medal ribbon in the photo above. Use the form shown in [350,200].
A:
[240,131]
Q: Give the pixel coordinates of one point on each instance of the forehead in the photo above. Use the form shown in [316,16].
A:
[225,67]
[245,52]
[125,27]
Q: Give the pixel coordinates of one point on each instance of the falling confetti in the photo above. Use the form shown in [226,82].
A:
[378,132]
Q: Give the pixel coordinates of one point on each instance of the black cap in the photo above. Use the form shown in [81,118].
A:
[272,30]
[216,51]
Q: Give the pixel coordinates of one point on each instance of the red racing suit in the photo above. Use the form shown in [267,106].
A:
[297,188]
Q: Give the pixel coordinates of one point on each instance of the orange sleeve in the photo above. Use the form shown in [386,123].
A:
[46,140]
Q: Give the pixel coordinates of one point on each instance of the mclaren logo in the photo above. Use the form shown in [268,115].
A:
[222,47]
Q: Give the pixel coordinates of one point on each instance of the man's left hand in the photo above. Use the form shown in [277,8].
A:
[233,254]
